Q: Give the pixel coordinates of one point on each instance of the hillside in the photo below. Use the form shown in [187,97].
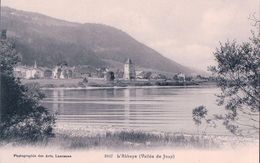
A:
[49,41]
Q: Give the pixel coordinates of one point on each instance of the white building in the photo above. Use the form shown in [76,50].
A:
[139,74]
[62,72]
[129,70]
[28,72]
[181,77]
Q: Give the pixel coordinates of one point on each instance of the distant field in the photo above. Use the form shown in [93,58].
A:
[54,82]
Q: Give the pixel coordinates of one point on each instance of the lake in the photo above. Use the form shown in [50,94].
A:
[167,109]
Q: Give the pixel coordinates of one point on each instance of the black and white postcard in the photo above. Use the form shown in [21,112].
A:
[129,81]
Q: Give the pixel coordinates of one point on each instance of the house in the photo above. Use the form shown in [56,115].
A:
[119,74]
[47,73]
[181,77]
[143,74]
[129,70]
[26,72]
[139,74]
[20,71]
[62,72]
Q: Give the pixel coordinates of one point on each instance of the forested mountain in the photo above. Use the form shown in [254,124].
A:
[50,41]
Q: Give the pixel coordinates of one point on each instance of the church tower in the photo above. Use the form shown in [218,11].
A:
[129,70]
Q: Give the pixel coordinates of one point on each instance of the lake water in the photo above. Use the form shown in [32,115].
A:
[167,109]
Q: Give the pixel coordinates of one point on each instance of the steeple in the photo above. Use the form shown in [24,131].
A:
[128,61]
[35,64]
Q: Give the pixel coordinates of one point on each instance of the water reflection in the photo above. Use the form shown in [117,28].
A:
[161,109]
[126,106]
[58,95]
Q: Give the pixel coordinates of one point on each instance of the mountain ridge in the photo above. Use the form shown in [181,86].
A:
[49,40]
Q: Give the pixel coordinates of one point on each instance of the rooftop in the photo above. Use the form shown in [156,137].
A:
[129,61]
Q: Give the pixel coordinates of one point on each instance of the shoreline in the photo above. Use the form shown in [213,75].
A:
[126,87]
[118,84]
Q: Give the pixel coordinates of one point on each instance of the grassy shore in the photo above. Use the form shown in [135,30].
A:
[136,139]
[114,139]
[96,82]
[88,146]
[132,140]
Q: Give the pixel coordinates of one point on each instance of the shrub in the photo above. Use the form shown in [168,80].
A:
[22,118]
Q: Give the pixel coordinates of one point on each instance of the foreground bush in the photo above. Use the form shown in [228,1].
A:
[22,118]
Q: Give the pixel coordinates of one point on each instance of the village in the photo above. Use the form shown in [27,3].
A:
[63,75]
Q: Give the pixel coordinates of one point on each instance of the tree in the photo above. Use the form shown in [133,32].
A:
[22,117]
[199,115]
[147,75]
[8,57]
[238,76]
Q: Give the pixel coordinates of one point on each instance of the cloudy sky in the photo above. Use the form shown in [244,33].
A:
[183,30]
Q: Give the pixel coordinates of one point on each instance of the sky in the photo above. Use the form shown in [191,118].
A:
[186,31]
